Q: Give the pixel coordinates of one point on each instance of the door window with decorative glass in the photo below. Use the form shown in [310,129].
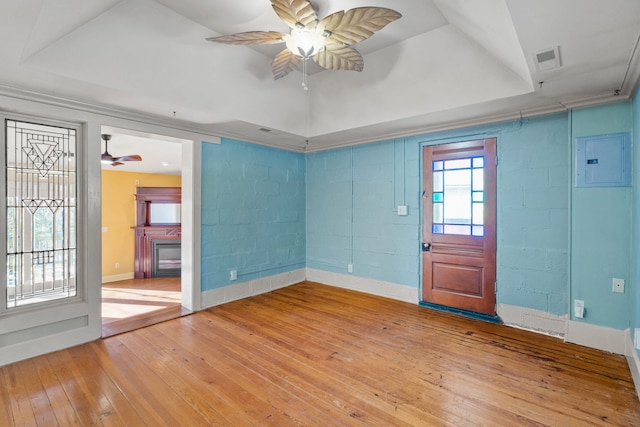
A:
[458,196]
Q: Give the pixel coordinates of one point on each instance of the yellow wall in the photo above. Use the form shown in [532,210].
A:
[119,215]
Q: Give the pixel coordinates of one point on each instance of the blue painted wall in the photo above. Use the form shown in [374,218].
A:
[253,212]
[533,199]
[265,211]
[352,196]
[635,271]
[601,242]
[533,214]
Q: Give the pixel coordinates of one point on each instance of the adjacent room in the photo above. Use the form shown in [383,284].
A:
[294,212]
[141,229]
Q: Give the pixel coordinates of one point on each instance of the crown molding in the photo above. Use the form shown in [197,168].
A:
[480,121]
[210,131]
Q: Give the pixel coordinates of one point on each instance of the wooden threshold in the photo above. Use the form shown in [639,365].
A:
[316,355]
[137,303]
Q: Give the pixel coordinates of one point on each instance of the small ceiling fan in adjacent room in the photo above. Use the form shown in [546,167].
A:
[108,159]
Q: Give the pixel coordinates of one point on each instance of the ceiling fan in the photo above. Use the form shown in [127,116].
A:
[328,41]
[108,159]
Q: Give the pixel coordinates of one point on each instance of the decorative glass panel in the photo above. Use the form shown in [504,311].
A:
[41,213]
[458,197]
[478,179]
[457,164]
[478,162]
[457,204]
[438,213]
[478,230]
[457,229]
[438,183]
[478,214]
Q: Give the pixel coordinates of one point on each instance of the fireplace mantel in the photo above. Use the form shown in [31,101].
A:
[144,246]
[146,231]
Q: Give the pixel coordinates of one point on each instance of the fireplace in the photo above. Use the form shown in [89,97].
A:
[165,258]
[157,235]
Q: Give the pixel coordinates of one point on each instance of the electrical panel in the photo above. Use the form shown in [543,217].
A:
[603,160]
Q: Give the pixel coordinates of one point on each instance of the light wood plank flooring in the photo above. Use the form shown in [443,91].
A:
[321,356]
[133,304]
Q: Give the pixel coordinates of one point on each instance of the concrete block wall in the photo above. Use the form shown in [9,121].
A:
[533,218]
[533,214]
[253,212]
[352,199]
[601,238]
[267,211]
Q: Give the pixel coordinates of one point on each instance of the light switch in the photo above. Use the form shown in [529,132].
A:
[578,309]
[403,210]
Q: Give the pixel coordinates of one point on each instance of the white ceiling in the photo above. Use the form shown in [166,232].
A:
[445,63]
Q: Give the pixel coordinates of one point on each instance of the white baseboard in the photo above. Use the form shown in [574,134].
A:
[44,345]
[533,320]
[117,277]
[252,287]
[594,336]
[362,284]
[634,362]
[598,337]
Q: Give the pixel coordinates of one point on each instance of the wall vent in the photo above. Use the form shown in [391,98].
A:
[547,59]
[264,130]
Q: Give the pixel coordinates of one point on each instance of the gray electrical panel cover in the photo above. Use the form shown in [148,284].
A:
[603,160]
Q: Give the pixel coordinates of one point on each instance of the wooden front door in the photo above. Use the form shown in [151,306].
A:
[459,225]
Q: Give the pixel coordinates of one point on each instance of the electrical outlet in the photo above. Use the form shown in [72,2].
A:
[349,268]
[636,339]
[578,308]
[117,266]
[233,275]
[618,286]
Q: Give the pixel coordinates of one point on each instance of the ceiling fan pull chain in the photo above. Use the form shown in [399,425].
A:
[305,86]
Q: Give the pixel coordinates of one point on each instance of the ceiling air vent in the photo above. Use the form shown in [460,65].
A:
[547,59]
[264,130]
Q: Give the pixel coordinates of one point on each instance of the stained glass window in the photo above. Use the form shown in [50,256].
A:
[40,181]
[458,196]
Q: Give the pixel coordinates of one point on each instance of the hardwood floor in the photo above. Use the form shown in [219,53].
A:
[133,304]
[316,355]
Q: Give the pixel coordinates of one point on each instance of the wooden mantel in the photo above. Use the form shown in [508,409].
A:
[146,232]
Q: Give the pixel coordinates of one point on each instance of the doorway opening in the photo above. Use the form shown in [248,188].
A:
[130,299]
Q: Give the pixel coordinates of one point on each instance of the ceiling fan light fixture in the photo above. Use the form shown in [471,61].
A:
[328,41]
[305,43]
